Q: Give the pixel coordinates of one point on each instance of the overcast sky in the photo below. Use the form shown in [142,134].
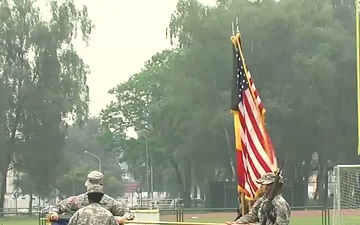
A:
[117,49]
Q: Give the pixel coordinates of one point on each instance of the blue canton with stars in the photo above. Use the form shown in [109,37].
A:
[241,81]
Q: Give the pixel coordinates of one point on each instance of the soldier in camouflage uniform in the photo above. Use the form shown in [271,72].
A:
[249,203]
[281,211]
[94,213]
[74,203]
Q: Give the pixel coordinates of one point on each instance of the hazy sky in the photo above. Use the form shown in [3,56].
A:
[117,48]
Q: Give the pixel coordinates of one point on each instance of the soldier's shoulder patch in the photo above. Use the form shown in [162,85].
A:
[283,216]
[107,197]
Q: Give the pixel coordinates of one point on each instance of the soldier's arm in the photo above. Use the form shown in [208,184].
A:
[73,220]
[252,215]
[112,221]
[65,205]
[119,209]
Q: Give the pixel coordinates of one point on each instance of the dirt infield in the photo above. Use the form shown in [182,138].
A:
[307,213]
[231,215]
[312,213]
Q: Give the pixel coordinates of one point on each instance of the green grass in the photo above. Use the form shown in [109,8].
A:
[34,220]
[306,220]
[19,220]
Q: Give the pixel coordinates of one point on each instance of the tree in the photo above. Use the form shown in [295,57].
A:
[137,98]
[26,186]
[43,85]
[76,164]
[305,75]
[73,182]
[88,137]
[113,187]
[282,46]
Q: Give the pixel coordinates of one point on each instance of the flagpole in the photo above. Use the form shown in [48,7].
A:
[243,204]
[235,30]
[357,68]
[243,209]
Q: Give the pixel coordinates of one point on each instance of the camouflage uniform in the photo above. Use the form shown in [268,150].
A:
[252,215]
[75,203]
[95,178]
[256,214]
[93,214]
[281,213]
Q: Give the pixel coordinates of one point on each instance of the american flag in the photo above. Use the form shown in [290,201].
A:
[254,151]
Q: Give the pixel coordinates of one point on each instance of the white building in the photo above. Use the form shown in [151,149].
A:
[11,203]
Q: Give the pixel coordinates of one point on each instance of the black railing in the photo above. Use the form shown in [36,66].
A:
[320,214]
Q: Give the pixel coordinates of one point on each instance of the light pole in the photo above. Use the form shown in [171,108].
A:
[152,179]
[147,162]
[86,152]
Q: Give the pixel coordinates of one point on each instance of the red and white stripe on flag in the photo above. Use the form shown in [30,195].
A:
[256,155]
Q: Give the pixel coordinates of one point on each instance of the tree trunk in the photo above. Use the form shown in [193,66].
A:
[3,190]
[7,159]
[218,174]
[320,185]
[178,177]
[4,170]
[30,204]
[187,190]
[194,191]
[317,194]
[202,191]
[230,153]
[306,173]
[187,170]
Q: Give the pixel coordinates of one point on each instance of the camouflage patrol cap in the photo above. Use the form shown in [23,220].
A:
[268,178]
[94,178]
[95,189]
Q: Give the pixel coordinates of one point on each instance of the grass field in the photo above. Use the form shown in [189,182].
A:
[207,218]
[19,221]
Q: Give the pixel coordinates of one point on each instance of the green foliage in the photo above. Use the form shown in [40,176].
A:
[76,164]
[42,86]
[113,187]
[25,184]
[73,182]
[301,55]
